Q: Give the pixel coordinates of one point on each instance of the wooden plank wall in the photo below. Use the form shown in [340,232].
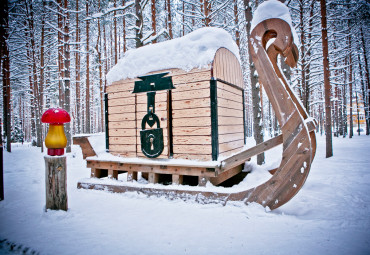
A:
[191,116]
[230,119]
[122,118]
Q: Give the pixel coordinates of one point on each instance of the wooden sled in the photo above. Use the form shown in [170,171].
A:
[298,139]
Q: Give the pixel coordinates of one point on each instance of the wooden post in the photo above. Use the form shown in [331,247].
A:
[56,182]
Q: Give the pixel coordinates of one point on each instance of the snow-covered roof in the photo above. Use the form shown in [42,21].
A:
[273,9]
[194,50]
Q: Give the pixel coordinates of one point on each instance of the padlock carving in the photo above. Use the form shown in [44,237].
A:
[151,139]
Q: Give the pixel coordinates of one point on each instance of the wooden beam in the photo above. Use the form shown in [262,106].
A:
[226,175]
[131,176]
[243,156]
[177,179]
[153,178]
[87,149]
[160,169]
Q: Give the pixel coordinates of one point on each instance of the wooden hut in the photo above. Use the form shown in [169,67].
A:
[201,115]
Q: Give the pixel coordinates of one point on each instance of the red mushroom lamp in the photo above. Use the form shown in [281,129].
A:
[55,139]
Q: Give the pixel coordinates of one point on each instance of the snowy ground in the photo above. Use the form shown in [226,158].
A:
[330,215]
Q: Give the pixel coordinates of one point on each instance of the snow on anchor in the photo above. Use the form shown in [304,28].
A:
[202,117]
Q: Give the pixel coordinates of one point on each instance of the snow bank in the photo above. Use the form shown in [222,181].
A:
[194,50]
[329,215]
[273,9]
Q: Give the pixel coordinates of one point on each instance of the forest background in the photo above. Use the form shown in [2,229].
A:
[56,53]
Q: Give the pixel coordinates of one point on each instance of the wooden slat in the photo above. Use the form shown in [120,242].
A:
[191,103]
[122,124]
[191,86]
[192,149]
[122,132]
[122,148]
[121,109]
[231,89]
[229,153]
[197,112]
[191,94]
[121,117]
[229,104]
[227,121]
[192,77]
[192,140]
[196,131]
[122,85]
[121,94]
[230,96]
[122,101]
[192,122]
[201,157]
[230,129]
[122,140]
[223,147]
[230,137]
[222,111]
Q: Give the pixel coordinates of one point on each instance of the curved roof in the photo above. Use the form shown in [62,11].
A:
[194,50]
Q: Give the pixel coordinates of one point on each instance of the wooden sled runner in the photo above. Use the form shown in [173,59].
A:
[298,139]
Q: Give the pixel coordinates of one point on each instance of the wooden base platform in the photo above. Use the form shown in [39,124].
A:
[152,170]
[203,197]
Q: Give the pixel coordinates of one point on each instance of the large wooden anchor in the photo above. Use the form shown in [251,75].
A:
[152,139]
[299,141]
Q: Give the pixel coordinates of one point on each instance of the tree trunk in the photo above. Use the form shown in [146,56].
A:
[256,100]
[344,92]
[139,24]
[207,12]
[366,103]
[350,78]
[328,132]
[358,115]
[305,88]
[78,72]
[42,67]
[154,25]
[60,54]
[67,75]
[98,50]
[115,34]
[123,28]
[367,78]
[5,64]
[34,75]
[87,102]
[237,34]
[169,15]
